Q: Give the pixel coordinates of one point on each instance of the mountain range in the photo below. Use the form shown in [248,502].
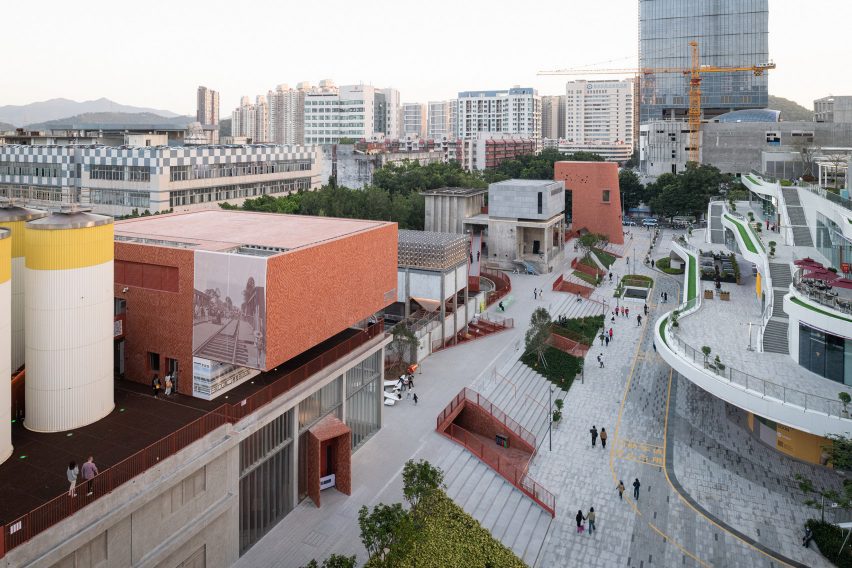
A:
[91,119]
[790,110]
[53,109]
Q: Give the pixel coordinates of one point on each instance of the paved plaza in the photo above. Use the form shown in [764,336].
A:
[724,499]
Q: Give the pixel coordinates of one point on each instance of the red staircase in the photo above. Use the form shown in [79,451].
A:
[489,454]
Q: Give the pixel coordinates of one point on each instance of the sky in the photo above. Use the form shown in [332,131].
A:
[156,53]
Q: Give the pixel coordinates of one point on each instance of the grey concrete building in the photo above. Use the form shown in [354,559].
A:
[833,109]
[448,207]
[354,168]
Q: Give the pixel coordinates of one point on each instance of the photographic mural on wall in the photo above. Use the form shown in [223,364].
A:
[229,309]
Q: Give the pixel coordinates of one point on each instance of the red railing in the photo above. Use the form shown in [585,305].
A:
[42,518]
[558,282]
[505,467]
[59,508]
[502,284]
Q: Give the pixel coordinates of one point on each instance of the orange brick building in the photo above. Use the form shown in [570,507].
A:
[595,195]
[211,292]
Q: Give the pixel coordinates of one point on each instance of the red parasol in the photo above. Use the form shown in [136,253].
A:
[820,274]
[842,283]
[807,263]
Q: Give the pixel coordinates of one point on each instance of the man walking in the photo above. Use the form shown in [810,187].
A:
[89,471]
[610,334]
[636,486]
[535,293]
[606,337]
[591,518]
[646,309]
[638,320]
[594,433]
[603,438]
[415,399]
[620,489]
[600,360]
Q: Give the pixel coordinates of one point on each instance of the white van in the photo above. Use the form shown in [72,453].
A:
[649,222]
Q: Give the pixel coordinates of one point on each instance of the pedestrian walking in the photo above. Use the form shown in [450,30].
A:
[665,296]
[591,518]
[645,309]
[612,319]
[620,489]
[600,360]
[594,433]
[636,486]
[603,438]
[638,320]
[809,536]
[652,263]
[579,297]
[72,473]
[610,334]
[155,385]
[535,293]
[89,471]
[411,380]
[415,399]
[580,518]
[654,343]
[627,312]
[471,258]
[610,277]
[501,306]
[168,385]
[602,337]
[606,337]
[477,256]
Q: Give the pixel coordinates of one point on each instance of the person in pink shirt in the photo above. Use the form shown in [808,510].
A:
[89,471]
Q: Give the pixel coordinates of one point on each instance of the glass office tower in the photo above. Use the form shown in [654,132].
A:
[729,33]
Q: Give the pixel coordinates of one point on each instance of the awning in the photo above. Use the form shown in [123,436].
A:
[842,283]
[820,274]
[807,261]
[427,304]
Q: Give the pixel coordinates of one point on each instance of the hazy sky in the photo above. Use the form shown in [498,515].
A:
[155,53]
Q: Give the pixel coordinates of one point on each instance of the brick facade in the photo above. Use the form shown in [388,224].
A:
[330,429]
[587,181]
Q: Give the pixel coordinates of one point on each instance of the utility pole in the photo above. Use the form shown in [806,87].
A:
[550,419]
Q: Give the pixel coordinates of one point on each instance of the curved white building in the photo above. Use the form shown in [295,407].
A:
[14,219]
[69,314]
[780,338]
[5,344]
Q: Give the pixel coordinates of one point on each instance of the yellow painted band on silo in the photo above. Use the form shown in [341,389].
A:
[5,259]
[66,249]
[17,229]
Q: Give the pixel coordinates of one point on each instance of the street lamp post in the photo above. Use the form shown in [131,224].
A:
[550,419]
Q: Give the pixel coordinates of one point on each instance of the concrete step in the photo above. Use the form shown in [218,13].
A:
[802,237]
[780,274]
[791,195]
[778,302]
[775,336]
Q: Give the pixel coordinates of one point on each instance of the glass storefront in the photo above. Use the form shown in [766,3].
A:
[831,242]
[364,398]
[825,354]
[265,480]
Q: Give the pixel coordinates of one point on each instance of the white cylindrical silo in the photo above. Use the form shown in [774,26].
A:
[5,344]
[69,314]
[14,218]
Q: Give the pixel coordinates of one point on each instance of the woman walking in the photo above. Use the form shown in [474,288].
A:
[591,518]
[620,489]
[580,518]
[72,473]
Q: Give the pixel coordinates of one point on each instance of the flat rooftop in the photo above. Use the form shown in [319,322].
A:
[461,191]
[220,230]
[523,183]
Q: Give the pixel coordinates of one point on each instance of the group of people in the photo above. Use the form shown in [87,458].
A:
[537,294]
[88,472]
[167,386]
[405,384]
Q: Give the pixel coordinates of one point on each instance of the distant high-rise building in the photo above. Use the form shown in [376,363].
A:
[833,109]
[513,111]
[553,117]
[287,114]
[728,32]
[599,118]
[392,120]
[414,119]
[251,121]
[440,125]
[207,110]
[333,113]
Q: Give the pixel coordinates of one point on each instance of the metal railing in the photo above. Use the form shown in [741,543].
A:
[505,467]
[25,527]
[502,283]
[824,298]
[474,397]
[22,529]
[754,386]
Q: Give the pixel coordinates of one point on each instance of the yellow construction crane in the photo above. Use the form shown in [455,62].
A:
[694,73]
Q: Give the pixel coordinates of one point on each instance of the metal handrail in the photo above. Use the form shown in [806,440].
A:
[821,298]
[474,397]
[753,385]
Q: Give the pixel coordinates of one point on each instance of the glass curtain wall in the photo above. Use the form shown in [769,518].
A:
[265,480]
[327,400]
[832,244]
[825,354]
[364,398]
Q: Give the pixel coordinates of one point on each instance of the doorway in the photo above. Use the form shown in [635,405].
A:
[327,454]
[536,247]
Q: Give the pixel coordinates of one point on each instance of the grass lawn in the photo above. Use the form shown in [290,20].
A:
[743,233]
[829,538]
[580,329]
[451,537]
[691,291]
[605,258]
[637,280]
[587,277]
[561,368]
[664,264]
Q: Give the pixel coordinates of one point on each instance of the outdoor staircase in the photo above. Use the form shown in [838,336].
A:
[798,223]
[528,267]
[480,328]
[568,306]
[509,515]
[717,231]
[775,332]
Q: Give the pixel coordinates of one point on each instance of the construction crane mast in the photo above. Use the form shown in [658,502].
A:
[694,72]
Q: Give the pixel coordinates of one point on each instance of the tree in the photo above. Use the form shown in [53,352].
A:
[686,193]
[587,242]
[420,479]
[404,342]
[807,155]
[538,333]
[837,161]
[383,529]
[632,190]
[334,561]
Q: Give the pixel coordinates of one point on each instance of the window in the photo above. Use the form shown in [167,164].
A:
[539,202]
[605,196]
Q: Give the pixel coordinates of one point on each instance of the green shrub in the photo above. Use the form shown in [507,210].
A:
[561,368]
[665,264]
[606,258]
[450,537]
[829,538]
[586,277]
[786,183]
[584,329]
